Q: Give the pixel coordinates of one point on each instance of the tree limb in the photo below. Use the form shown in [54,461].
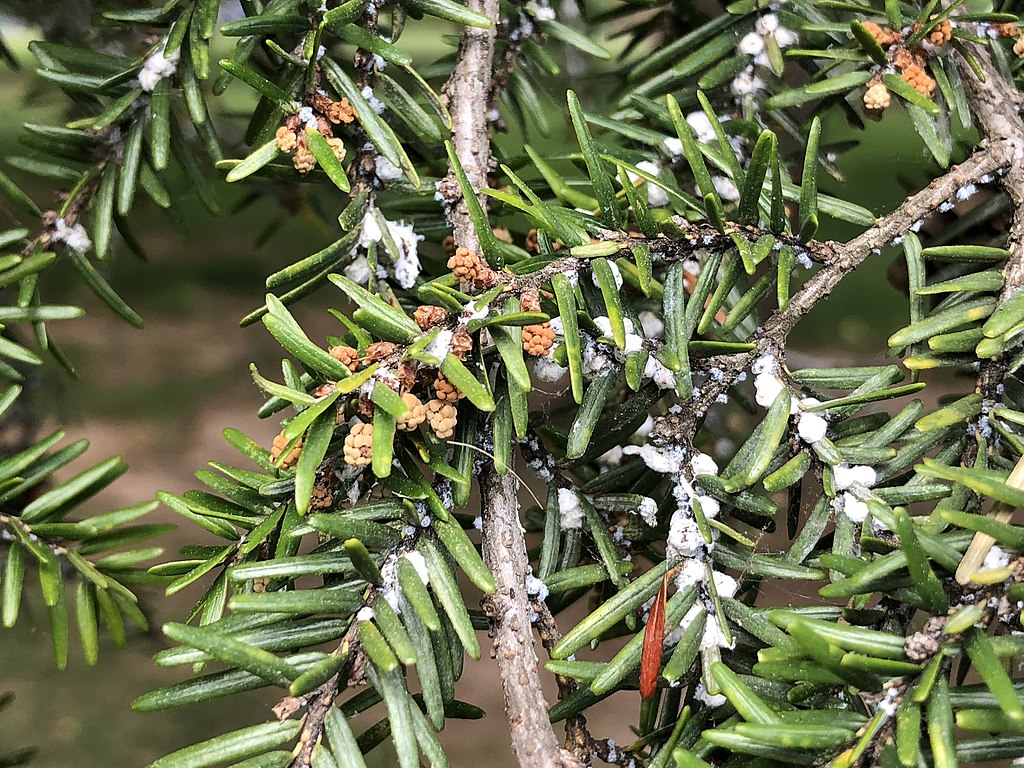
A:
[504,548]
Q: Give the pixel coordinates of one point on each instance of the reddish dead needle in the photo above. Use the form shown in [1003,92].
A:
[654,641]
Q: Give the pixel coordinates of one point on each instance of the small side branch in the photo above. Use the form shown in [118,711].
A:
[849,256]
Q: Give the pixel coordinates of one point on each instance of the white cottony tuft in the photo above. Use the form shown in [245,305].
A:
[751,44]
[701,125]
[811,426]
[684,537]
[693,571]
[995,559]
[358,271]
[725,585]
[420,564]
[709,506]
[854,508]
[441,344]
[375,104]
[767,387]
[547,370]
[407,263]
[713,700]
[653,325]
[156,68]
[665,460]
[536,588]
[570,509]
[726,189]
[673,146]
[385,169]
[657,372]
[365,614]
[702,464]
[846,476]
[649,511]
[73,237]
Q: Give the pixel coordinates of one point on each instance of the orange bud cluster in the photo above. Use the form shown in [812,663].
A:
[883,35]
[538,339]
[941,33]
[445,391]
[359,445]
[417,413]
[919,80]
[877,97]
[280,443]
[442,418]
[529,301]
[465,265]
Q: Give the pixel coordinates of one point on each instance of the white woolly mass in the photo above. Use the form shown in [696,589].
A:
[595,361]
[888,704]
[712,700]
[714,636]
[365,614]
[385,169]
[767,24]
[407,265]
[541,11]
[662,376]
[995,559]
[156,68]
[441,344]
[420,564]
[693,571]
[74,237]
[570,509]
[751,44]
[853,508]
[653,325]
[666,460]
[811,426]
[701,125]
[656,196]
[673,145]
[375,104]
[616,274]
[536,588]
[547,370]
[726,189]
[645,429]
[648,510]
[845,476]
[702,464]
[746,83]
[725,585]
[767,387]
[610,458]
[307,117]
[358,271]
[684,537]
[786,37]
[709,506]
[634,343]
